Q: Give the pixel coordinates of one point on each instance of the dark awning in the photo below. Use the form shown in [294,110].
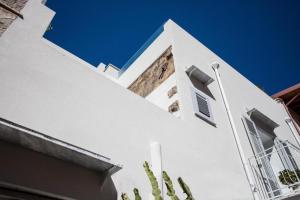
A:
[256,114]
[40,142]
[195,72]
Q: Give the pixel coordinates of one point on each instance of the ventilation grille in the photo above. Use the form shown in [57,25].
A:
[202,105]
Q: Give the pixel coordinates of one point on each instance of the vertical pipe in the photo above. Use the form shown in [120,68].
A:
[156,163]
[246,165]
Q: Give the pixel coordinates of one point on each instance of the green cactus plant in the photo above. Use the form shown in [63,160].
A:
[137,194]
[185,189]
[289,177]
[124,196]
[156,192]
[155,188]
[168,182]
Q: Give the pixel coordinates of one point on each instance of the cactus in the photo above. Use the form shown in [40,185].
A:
[137,194]
[185,189]
[124,196]
[155,188]
[156,192]
[171,192]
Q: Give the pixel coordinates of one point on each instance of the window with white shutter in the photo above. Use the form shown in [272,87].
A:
[253,135]
[262,158]
[201,103]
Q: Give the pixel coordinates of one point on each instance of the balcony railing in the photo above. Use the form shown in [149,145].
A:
[276,171]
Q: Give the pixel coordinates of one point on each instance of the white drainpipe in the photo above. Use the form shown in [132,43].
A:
[247,169]
[156,163]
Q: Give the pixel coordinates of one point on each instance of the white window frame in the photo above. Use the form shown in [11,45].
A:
[196,92]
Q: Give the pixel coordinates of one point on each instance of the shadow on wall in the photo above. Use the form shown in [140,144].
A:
[108,191]
[39,175]
[201,87]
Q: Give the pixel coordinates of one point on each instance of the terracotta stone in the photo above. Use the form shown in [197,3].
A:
[154,75]
[6,17]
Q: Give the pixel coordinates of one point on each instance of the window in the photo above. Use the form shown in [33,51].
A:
[253,135]
[201,103]
[172,91]
[174,107]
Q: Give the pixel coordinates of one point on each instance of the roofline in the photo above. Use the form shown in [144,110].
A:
[16,131]
[286,91]
[141,50]
[111,65]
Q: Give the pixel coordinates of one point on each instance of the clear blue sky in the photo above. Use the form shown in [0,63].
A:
[259,38]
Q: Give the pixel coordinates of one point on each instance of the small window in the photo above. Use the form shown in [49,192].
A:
[172,91]
[174,107]
[201,104]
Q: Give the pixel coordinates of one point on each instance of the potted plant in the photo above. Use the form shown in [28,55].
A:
[289,178]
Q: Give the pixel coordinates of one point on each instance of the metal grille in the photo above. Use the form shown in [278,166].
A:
[202,105]
[284,161]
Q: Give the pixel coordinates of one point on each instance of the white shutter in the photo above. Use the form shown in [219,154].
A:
[201,103]
[253,135]
[261,157]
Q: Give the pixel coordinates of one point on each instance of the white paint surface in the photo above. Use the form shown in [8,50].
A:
[52,91]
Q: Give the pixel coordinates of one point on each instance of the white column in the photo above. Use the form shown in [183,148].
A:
[156,163]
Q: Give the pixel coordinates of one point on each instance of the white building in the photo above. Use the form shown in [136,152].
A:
[185,110]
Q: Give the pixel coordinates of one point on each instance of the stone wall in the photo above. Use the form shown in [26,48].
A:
[156,74]
[7,17]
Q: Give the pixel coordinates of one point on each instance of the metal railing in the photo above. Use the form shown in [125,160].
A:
[276,171]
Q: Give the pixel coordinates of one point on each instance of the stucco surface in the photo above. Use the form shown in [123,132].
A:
[56,93]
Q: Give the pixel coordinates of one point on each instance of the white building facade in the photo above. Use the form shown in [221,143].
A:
[175,104]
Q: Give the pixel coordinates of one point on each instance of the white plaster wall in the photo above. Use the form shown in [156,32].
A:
[241,93]
[101,67]
[47,90]
[112,71]
[160,98]
[157,48]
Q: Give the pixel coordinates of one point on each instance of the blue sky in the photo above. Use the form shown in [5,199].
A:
[259,38]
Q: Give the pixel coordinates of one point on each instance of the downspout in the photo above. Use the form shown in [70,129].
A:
[290,121]
[215,67]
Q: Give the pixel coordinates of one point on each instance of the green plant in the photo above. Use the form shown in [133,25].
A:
[156,192]
[124,196]
[155,188]
[137,194]
[171,192]
[185,189]
[288,177]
